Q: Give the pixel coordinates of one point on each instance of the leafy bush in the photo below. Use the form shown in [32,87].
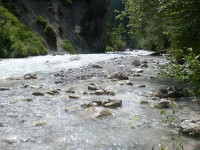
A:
[41,21]
[17,40]
[188,71]
[68,46]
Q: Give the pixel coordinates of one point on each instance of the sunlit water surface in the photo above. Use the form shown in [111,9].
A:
[133,126]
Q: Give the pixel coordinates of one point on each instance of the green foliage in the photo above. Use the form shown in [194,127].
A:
[68,46]
[17,40]
[188,71]
[116,40]
[41,21]
[168,24]
[158,25]
[67,2]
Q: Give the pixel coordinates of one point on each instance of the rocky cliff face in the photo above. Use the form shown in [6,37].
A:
[82,22]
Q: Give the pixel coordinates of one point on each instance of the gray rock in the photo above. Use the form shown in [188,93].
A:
[136,63]
[112,103]
[190,127]
[96,66]
[100,92]
[93,87]
[30,76]
[38,94]
[4,88]
[97,112]
[53,92]
[119,76]
[71,90]
[74,96]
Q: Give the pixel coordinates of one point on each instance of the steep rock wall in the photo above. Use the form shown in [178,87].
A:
[82,22]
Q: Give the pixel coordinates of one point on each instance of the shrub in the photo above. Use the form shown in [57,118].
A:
[41,21]
[68,46]
[51,35]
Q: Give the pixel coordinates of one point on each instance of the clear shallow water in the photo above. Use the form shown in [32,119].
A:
[134,126]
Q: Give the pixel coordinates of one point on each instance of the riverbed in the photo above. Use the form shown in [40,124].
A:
[49,110]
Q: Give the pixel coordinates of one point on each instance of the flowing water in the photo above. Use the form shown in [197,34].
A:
[43,124]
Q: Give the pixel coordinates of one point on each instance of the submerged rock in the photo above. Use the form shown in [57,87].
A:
[72,109]
[97,112]
[190,127]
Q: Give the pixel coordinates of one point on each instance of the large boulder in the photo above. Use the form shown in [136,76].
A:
[190,127]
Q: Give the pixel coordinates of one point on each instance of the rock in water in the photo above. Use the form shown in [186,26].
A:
[30,76]
[4,88]
[112,103]
[93,87]
[38,94]
[190,127]
[74,96]
[97,112]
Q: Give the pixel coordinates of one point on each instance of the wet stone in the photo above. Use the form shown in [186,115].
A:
[4,88]
[100,92]
[97,112]
[93,87]
[96,66]
[71,90]
[28,99]
[190,127]
[40,123]
[74,96]
[30,76]
[38,94]
[136,63]
[119,76]
[112,103]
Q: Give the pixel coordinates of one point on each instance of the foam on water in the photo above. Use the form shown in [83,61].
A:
[46,64]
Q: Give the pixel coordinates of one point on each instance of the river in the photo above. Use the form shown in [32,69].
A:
[55,121]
